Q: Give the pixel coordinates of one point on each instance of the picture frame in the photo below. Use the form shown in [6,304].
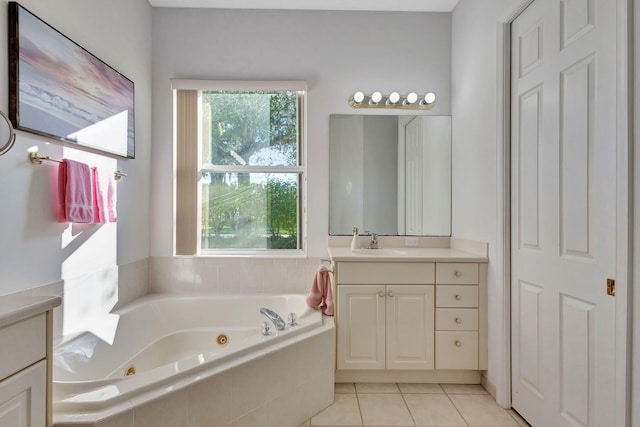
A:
[60,90]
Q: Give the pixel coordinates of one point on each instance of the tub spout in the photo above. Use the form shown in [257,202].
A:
[278,322]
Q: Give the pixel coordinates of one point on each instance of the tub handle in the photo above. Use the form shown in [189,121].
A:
[266,329]
[292,319]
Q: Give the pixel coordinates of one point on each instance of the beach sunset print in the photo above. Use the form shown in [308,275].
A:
[66,92]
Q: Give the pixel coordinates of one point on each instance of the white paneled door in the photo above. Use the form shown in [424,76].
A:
[563,212]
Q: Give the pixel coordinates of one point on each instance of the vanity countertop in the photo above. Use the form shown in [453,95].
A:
[404,254]
[16,308]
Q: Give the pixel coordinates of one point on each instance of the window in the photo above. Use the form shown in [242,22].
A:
[241,159]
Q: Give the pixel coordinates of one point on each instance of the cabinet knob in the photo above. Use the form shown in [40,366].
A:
[458,343]
[458,320]
[458,297]
[457,273]
[391,294]
[381,294]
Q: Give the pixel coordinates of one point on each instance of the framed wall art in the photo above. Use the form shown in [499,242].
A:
[60,90]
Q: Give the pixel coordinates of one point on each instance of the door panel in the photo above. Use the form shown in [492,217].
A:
[410,327]
[361,327]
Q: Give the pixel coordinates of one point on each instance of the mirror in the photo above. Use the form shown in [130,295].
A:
[390,175]
[7,134]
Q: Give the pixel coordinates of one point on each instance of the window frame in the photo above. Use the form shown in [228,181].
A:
[188,165]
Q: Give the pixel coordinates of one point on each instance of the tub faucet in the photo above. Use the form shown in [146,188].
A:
[278,322]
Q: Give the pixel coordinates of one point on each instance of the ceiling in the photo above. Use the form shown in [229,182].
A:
[373,5]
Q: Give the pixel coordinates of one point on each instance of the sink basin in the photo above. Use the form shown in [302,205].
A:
[379,252]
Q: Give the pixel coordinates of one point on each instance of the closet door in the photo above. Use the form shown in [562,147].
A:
[563,212]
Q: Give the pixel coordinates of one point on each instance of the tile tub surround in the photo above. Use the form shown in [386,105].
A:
[408,405]
[231,275]
[280,389]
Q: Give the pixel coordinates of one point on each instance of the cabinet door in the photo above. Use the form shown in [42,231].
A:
[361,327]
[23,401]
[410,327]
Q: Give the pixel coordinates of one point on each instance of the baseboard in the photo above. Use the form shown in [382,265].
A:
[488,385]
[382,376]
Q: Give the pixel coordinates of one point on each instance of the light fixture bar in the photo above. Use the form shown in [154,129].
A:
[411,101]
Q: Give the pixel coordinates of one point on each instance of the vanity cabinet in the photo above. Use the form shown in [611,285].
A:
[418,316]
[385,327]
[25,368]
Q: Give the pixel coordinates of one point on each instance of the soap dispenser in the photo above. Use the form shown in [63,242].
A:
[355,244]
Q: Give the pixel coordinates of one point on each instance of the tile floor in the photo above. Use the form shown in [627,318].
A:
[424,405]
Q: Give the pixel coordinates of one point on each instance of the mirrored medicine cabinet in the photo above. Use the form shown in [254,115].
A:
[390,174]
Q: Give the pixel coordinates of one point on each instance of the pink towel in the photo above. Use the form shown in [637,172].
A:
[321,295]
[75,196]
[104,209]
[112,198]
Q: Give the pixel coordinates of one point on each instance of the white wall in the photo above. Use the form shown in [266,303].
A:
[475,170]
[35,250]
[336,53]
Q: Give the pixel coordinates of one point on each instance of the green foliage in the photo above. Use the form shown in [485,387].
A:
[251,215]
[251,128]
[243,123]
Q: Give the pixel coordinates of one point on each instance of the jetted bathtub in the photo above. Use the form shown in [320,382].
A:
[166,343]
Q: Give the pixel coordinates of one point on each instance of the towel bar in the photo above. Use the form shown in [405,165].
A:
[37,159]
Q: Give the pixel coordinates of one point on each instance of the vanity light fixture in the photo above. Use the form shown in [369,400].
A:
[411,101]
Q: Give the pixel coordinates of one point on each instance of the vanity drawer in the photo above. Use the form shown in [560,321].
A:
[386,273]
[457,319]
[456,273]
[457,296]
[457,350]
[25,343]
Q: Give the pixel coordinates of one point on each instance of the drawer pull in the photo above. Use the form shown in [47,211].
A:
[458,297]
[457,273]
[458,320]
[381,294]
[458,343]
[391,294]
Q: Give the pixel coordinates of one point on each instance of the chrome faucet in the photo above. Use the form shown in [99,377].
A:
[278,322]
[373,244]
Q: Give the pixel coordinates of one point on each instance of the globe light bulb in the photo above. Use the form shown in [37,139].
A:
[394,97]
[358,97]
[429,98]
[411,98]
[376,97]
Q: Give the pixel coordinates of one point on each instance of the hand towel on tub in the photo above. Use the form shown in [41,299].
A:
[75,194]
[321,295]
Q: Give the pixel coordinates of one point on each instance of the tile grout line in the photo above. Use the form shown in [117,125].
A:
[454,405]
[358,402]
[407,406]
